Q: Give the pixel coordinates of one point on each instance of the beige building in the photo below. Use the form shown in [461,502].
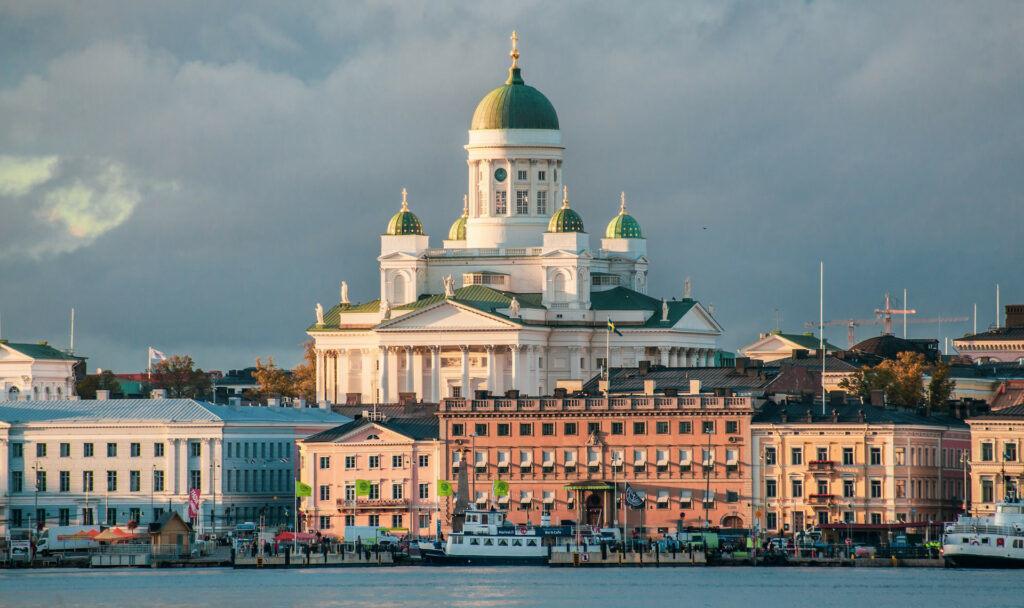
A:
[856,464]
[995,460]
[777,345]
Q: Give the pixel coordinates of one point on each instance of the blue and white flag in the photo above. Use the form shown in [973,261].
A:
[633,500]
[157,355]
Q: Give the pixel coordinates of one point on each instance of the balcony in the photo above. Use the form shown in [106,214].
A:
[820,499]
[821,466]
[377,503]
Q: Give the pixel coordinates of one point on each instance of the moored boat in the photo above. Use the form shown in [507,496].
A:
[488,538]
[994,541]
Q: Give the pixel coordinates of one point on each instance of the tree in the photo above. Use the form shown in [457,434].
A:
[901,380]
[272,380]
[868,379]
[940,387]
[177,376]
[106,381]
[304,374]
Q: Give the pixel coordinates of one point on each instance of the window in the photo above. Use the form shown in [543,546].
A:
[901,488]
[325,522]
[424,520]
[40,481]
[325,462]
[525,429]
[111,481]
[158,481]
[876,488]
[848,488]
[374,462]
[569,428]
[876,518]
[424,490]
[522,202]
[397,461]
[822,487]
[40,450]
[848,456]
[158,450]
[732,496]
[771,520]
[769,456]
[456,390]
[65,481]
[65,450]
[195,449]
[350,520]
[770,488]
[542,202]
[64,517]
[481,430]
[798,488]
[111,516]
[373,520]
[374,491]
[458,429]
[111,450]
[822,454]
[397,491]
[639,428]
[325,492]
[593,427]
[16,518]
[986,452]
[876,456]
[17,450]
[504,430]
[1010,452]
[796,456]
[522,175]
[134,481]
[848,517]
[547,428]
[424,460]
[17,481]
[501,202]
[661,427]
[135,449]
[350,462]
[708,427]
[987,490]
[732,427]
[618,428]
[87,450]
[87,481]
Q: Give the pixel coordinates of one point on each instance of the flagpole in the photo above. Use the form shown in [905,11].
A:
[149,365]
[607,355]
[295,516]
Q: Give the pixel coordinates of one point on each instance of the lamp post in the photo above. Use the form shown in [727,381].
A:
[963,463]
[472,481]
[152,488]
[37,468]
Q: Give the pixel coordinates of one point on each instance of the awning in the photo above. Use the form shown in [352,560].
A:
[504,458]
[549,496]
[639,457]
[685,457]
[525,496]
[709,496]
[618,457]
[570,457]
[503,500]
[589,485]
[481,458]
[548,459]
[593,458]
[708,457]
[456,457]
[685,495]
[662,496]
[662,458]
[525,457]
[731,457]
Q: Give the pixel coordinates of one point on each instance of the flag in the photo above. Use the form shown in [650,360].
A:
[155,354]
[193,503]
[444,488]
[500,487]
[633,499]
[303,489]
[362,487]
[611,327]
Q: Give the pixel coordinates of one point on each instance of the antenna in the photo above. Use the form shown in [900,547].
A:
[997,305]
[975,317]
[777,319]
[821,332]
[72,347]
[904,313]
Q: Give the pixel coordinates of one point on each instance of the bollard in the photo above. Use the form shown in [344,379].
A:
[380,558]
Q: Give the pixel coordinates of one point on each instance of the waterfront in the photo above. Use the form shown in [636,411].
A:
[471,587]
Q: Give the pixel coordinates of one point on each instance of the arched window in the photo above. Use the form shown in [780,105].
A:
[398,289]
[12,394]
[60,393]
[46,393]
[35,393]
[559,288]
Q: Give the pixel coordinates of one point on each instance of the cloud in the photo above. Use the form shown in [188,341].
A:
[19,175]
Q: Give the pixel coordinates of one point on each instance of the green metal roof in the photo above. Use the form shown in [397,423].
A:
[622,298]
[623,226]
[39,351]
[515,105]
[810,342]
[404,222]
[458,230]
[565,220]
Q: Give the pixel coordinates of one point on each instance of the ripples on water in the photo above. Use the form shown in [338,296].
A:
[501,587]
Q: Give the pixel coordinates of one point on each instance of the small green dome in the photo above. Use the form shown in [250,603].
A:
[458,230]
[623,225]
[404,222]
[515,106]
[565,219]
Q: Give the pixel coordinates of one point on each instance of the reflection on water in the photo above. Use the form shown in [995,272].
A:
[472,587]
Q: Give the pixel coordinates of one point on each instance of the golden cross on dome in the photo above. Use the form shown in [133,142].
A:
[623,202]
[565,197]
[405,203]
[465,204]
[515,51]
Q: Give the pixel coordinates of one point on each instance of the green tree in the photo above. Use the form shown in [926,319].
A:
[901,380]
[304,374]
[273,381]
[106,381]
[940,387]
[180,378]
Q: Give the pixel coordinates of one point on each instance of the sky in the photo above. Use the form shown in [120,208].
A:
[196,176]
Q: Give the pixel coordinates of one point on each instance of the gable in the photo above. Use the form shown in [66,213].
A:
[697,319]
[447,315]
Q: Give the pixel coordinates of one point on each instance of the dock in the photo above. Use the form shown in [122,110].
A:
[348,559]
[609,559]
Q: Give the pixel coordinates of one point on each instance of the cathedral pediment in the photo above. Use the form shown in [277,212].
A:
[698,319]
[446,316]
[399,255]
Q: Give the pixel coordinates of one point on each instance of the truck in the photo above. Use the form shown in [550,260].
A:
[57,539]
[370,535]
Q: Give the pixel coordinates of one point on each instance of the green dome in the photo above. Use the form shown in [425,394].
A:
[515,106]
[565,220]
[623,225]
[405,221]
[458,230]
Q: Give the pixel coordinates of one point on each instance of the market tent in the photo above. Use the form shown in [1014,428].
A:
[302,537]
[111,535]
[80,535]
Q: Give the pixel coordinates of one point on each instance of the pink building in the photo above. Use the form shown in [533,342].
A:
[400,457]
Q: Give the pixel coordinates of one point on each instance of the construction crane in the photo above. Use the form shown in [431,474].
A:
[884,318]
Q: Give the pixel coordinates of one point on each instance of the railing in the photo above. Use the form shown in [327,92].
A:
[820,499]
[635,403]
[378,503]
[821,465]
[485,252]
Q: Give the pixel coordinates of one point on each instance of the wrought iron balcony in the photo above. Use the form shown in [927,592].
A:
[822,465]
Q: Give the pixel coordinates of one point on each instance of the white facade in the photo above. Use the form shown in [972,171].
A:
[35,371]
[517,304]
[151,452]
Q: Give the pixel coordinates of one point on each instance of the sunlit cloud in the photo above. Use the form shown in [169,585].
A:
[20,174]
[89,210]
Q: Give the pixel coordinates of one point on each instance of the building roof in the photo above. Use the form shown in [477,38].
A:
[832,363]
[413,428]
[995,335]
[566,220]
[39,351]
[888,346]
[1015,412]
[168,410]
[631,379]
[808,341]
[515,105]
[849,413]
[623,226]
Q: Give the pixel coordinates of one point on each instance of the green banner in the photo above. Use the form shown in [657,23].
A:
[362,487]
[302,489]
[444,488]
[500,487]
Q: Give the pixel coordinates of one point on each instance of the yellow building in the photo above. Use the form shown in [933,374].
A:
[995,459]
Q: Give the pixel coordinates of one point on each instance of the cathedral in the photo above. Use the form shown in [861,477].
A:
[515,301]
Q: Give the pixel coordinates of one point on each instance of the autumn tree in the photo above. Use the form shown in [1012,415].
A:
[272,381]
[901,380]
[867,379]
[940,387]
[304,374]
[105,381]
[180,378]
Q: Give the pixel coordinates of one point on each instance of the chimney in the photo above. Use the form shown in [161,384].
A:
[158,393]
[741,364]
[878,398]
[860,416]
[799,353]
[649,386]
[644,367]
[785,415]
[694,387]
[763,336]
[810,415]
[671,392]
[1015,315]
[102,395]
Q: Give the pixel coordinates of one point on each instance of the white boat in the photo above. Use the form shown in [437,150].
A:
[994,541]
[488,538]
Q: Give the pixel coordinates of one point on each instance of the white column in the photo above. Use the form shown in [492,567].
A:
[5,466]
[542,366]
[343,367]
[663,355]
[384,376]
[688,357]
[182,450]
[417,375]
[514,353]
[709,357]
[321,393]
[435,373]
[491,375]
[465,372]
[409,372]
[574,363]
[368,373]
[395,385]
[331,370]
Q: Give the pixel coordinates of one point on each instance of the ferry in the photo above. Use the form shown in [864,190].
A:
[995,541]
[488,538]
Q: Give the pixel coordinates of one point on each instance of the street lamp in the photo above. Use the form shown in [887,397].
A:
[963,463]
[472,482]
[37,468]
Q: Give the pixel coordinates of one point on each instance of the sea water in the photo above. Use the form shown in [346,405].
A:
[516,586]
